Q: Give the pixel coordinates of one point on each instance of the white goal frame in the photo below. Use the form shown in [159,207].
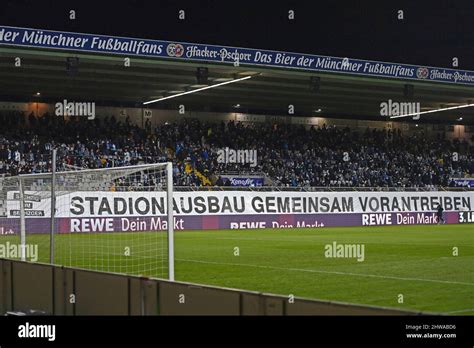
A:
[52,175]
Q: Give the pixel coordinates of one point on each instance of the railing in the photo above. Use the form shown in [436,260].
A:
[320,189]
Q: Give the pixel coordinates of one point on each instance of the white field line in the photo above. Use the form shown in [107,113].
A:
[329,272]
[461,311]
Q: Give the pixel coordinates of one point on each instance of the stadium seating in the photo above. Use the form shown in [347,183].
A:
[290,155]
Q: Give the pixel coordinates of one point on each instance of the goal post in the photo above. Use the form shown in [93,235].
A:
[169,194]
[117,219]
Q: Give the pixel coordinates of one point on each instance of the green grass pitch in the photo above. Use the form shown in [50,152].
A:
[416,262]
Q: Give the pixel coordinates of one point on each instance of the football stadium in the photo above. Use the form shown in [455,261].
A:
[152,177]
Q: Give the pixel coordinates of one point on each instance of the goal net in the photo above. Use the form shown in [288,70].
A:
[116,220]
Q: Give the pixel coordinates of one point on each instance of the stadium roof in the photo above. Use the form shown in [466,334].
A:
[103,78]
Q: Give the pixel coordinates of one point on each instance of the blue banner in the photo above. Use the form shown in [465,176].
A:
[464,182]
[224,54]
[244,181]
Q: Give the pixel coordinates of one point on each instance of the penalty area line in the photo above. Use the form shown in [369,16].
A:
[328,272]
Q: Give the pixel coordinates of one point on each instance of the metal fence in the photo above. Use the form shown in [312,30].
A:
[320,189]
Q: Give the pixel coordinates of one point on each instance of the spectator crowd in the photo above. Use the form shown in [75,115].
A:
[290,155]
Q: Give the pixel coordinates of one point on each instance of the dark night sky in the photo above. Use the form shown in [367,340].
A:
[432,33]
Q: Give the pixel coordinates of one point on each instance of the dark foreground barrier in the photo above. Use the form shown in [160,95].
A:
[59,290]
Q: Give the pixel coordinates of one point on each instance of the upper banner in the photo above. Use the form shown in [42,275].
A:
[118,204]
[225,54]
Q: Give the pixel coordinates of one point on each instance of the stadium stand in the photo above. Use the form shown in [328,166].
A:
[293,156]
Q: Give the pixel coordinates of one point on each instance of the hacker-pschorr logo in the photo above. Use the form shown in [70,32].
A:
[175,50]
[67,108]
[422,73]
[37,331]
[228,156]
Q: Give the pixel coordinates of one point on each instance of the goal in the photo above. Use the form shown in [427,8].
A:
[116,220]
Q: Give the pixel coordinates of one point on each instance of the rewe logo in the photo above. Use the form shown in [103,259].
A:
[37,331]
[335,250]
[65,108]
[393,108]
[237,156]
